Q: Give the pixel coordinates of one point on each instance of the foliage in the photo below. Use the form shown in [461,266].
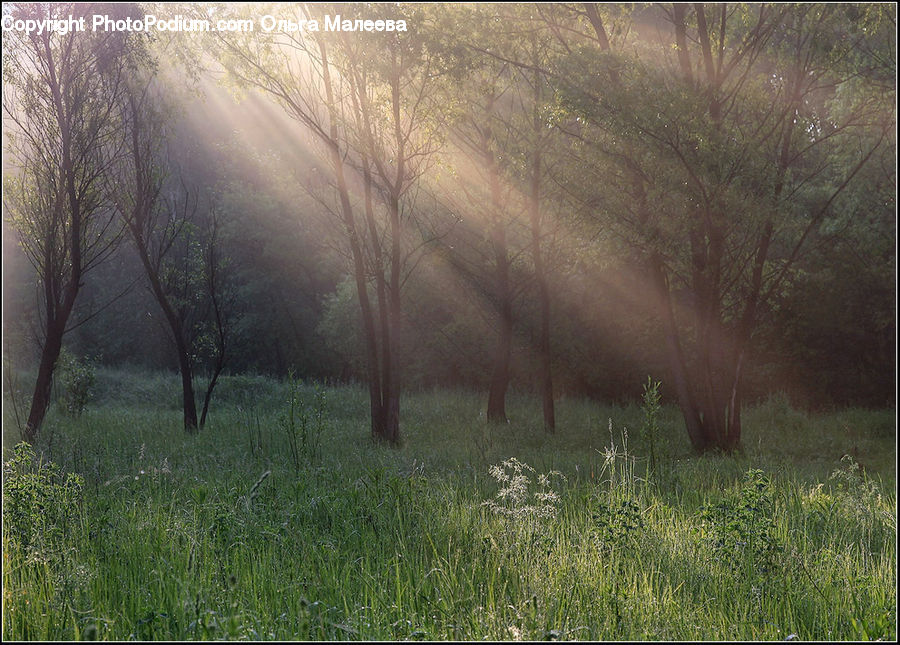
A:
[40,506]
[340,328]
[740,530]
[374,544]
[77,377]
[618,523]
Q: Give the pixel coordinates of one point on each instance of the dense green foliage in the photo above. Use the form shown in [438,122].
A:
[163,535]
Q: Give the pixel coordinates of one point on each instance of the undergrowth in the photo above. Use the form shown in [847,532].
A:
[282,520]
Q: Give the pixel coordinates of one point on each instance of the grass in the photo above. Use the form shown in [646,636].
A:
[186,537]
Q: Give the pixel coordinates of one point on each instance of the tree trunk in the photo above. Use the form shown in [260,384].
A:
[376,405]
[677,366]
[496,412]
[544,358]
[392,396]
[385,386]
[209,389]
[546,376]
[58,311]
[40,401]
[189,404]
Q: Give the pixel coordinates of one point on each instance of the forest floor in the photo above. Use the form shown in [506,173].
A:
[285,521]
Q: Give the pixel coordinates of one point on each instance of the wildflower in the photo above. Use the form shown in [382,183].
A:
[512,500]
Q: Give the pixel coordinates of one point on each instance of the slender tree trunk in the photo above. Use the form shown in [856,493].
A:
[189,403]
[176,327]
[677,366]
[684,59]
[388,294]
[546,373]
[40,400]
[208,396]
[392,400]
[216,287]
[185,369]
[386,355]
[376,405]
[217,370]
[546,377]
[58,312]
[496,411]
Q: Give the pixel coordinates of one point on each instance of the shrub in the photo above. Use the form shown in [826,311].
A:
[39,504]
[740,529]
[77,377]
[617,523]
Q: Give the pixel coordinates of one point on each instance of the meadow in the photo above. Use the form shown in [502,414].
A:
[282,519]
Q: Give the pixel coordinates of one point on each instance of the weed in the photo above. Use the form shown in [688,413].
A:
[855,488]
[617,513]
[303,423]
[740,530]
[39,504]
[618,466]
[859,499]
[521,496]
[617,523]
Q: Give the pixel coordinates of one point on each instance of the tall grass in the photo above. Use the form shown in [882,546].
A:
[231,534]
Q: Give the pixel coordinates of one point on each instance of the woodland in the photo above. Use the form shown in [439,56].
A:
[316,274]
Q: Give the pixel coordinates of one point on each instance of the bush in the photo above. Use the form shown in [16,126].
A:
[39,504]
[740,530]
[617,524]
[77,377]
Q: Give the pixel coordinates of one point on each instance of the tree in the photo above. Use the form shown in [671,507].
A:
[182,262]
[504,130]
[60,93]
[750,138]
[321,83]
[482,134]
[394,153]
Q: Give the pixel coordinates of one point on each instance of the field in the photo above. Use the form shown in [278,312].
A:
[282,520]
